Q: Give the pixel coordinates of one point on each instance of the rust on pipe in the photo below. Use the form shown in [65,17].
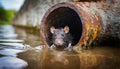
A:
[89,22]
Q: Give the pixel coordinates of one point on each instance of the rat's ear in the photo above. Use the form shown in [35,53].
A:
[66,29]
[52,29]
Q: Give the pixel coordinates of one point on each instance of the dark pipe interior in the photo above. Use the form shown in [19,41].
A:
[61,17]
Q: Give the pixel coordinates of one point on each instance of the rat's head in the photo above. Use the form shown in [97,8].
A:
[59,35]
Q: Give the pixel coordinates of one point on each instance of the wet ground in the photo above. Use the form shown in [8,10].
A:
[21,48]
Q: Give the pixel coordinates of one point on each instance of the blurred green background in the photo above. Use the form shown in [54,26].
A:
[8,9]
[6,16]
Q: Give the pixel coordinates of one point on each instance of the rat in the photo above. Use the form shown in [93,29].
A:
[61,38]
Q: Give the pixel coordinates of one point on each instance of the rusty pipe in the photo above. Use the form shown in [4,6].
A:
[89,22]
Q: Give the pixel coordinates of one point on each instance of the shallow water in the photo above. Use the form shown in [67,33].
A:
[21,48]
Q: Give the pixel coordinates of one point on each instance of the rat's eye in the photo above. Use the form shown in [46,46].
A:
[55,35]
[63,35]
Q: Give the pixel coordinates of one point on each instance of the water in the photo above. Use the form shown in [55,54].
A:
[21,48]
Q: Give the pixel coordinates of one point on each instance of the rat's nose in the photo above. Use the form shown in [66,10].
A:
[59,41]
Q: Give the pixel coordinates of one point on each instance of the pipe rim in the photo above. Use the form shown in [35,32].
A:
[64,4]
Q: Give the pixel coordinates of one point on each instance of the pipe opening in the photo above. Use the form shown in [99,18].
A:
[61,17]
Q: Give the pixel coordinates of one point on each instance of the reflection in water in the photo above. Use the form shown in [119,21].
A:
[7,31]
[18,46]
[88,59]
[46,59]
[11,46]
[11,40]
[8,44]
[11,52]
[8,62]
[100,58]
[59,60]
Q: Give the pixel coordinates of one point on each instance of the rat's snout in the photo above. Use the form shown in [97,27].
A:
[59,41]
